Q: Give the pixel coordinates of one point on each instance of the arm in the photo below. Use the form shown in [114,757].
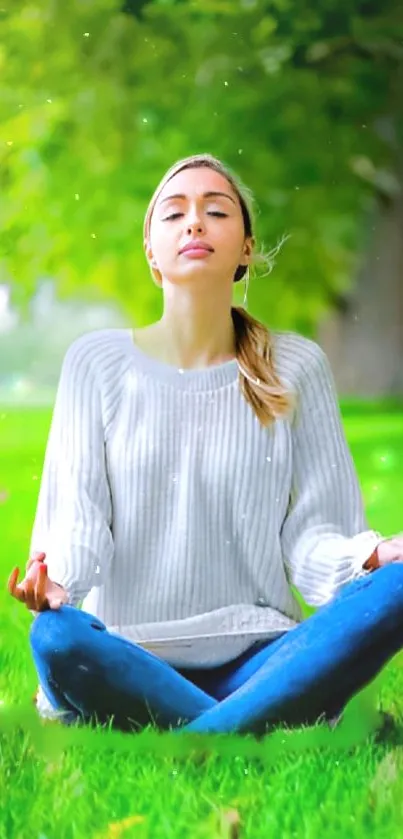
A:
[325,537]
[74,510]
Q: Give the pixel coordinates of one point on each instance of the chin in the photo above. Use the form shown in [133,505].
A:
[197,271]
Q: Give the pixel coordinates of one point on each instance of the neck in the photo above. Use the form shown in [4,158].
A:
[196,335]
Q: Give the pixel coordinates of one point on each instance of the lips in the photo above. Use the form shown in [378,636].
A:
[196,245]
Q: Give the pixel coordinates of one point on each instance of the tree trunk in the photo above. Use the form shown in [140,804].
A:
[364,342]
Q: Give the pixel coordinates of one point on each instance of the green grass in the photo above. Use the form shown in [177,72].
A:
[58,783]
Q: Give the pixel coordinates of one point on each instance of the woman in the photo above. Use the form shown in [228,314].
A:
[195,470]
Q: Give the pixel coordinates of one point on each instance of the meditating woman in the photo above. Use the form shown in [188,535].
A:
[197,474]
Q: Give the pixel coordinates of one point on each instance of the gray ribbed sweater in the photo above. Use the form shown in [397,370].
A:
[176,518]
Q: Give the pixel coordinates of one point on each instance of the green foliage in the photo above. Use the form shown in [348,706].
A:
[99,98]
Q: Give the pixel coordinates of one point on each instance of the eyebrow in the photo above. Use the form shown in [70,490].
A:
[205,195]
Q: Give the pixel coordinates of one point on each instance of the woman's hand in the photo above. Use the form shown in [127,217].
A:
[36,590]
[391,550]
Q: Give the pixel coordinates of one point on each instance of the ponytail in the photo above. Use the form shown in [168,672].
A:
[259,382]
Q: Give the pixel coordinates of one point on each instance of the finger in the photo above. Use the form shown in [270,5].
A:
[12,580]
[36,556]
[12,586]
[41,584]
[30,598]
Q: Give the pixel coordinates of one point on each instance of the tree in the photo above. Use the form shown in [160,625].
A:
[97,102]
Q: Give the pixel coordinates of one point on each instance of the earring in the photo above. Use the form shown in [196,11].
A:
[246,281]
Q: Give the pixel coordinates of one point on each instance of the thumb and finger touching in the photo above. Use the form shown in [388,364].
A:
[36,590]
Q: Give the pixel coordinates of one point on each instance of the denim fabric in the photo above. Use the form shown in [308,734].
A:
[310,671]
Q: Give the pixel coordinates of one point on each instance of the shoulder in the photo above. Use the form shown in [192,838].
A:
[97,350]
[298,359]
[93,369]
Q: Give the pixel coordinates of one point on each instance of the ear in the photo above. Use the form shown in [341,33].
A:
[149,253]
[248,248]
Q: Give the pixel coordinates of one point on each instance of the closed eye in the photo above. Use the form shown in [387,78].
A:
[174,216]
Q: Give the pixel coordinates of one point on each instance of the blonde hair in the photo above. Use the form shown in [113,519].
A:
[258,379]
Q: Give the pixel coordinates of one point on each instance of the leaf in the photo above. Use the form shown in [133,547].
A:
[96,105]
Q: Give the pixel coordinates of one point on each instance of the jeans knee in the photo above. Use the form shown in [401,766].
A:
[61,633]
[390,575]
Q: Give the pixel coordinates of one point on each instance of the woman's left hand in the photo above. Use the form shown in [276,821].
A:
[391,550]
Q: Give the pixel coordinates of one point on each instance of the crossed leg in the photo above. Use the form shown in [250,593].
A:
[317,667]
[87,672]
[312,669]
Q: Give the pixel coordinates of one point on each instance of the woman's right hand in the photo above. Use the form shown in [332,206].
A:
[36,590]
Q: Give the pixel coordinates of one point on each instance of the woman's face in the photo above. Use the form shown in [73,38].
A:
[198,204]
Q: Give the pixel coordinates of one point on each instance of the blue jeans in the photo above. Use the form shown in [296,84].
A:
[310,671]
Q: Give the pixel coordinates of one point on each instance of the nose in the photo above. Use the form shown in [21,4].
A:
[194,227]
[194,222]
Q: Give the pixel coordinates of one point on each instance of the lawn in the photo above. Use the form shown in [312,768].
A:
[96,784]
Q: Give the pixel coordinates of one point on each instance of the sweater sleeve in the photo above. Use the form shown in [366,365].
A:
[325,537]
[74,509]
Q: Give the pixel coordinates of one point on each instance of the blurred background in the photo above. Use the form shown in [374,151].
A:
[303,100]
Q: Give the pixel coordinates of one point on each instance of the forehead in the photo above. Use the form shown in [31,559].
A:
[195,182]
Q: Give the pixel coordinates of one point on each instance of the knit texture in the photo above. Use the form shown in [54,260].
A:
[171,514]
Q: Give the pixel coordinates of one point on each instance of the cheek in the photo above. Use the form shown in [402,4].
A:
[231,240]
